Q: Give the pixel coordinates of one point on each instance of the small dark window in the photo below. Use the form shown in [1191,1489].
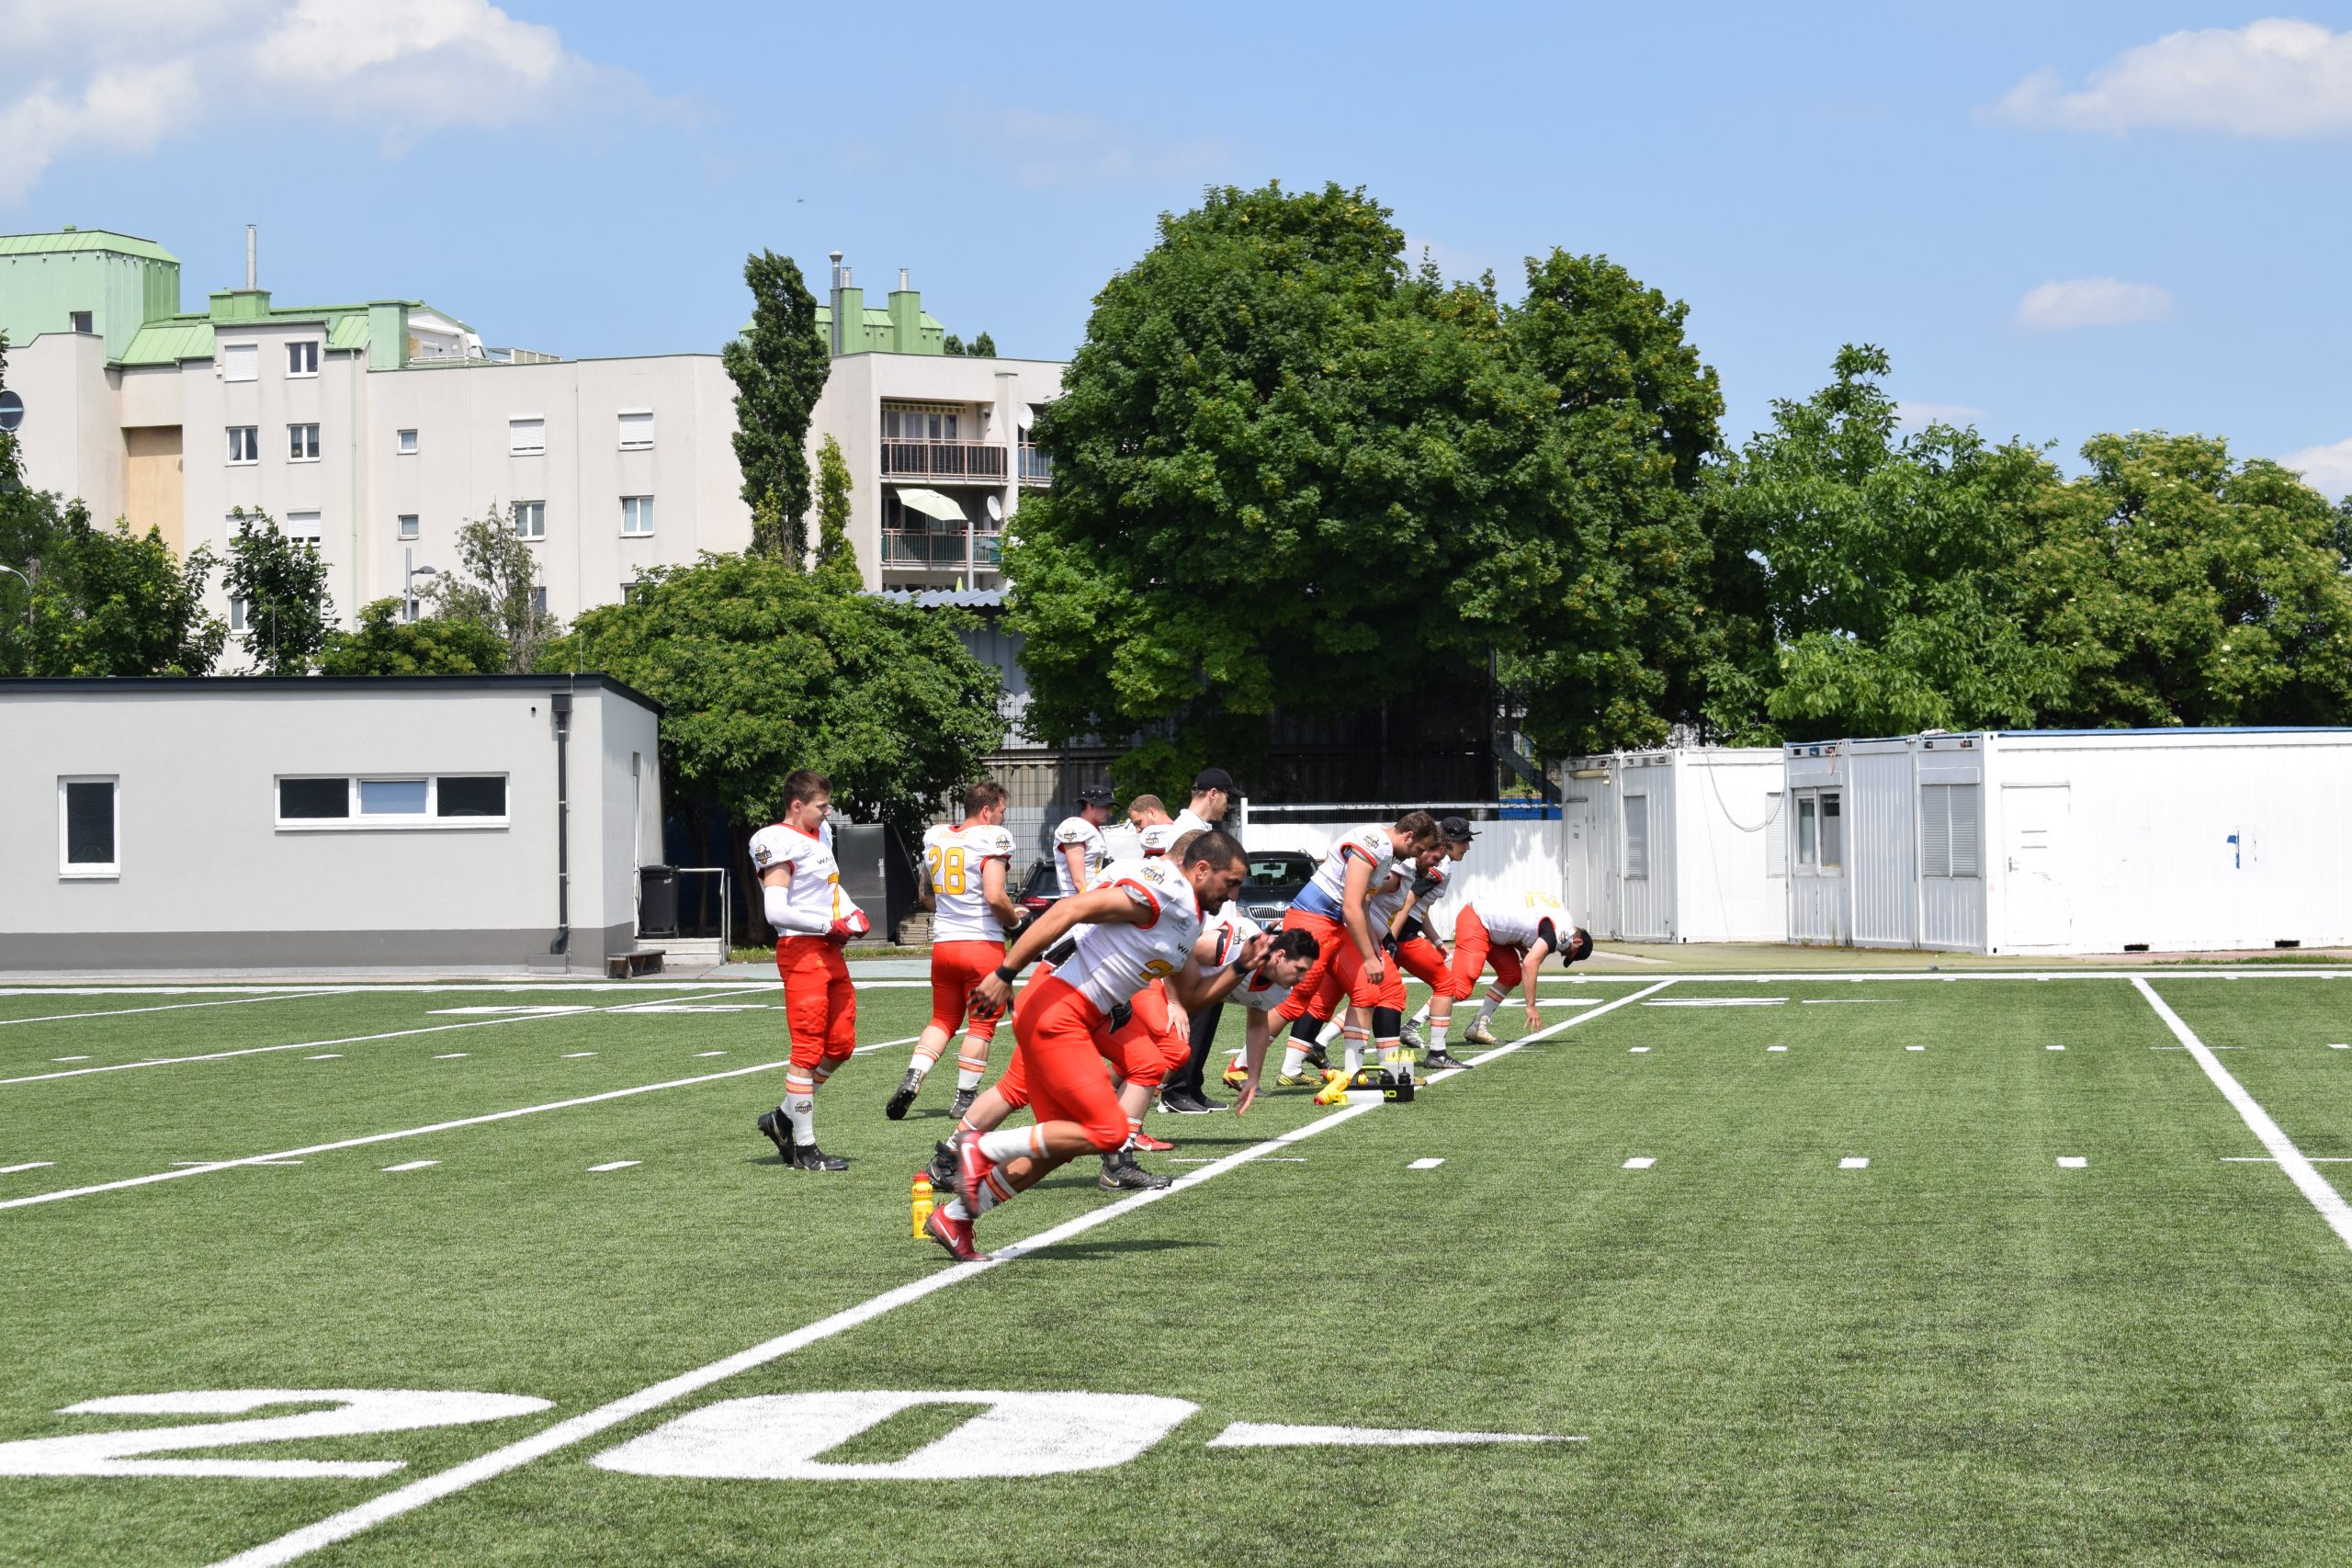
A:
[472,798]
[82,320]
[89,823]
[301,799]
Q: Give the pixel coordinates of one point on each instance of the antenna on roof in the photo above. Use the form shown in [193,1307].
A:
[839,278]
[253,255]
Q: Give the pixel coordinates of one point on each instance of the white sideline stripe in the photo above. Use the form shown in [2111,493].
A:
[1266,1435]
[28,1165]
[412,1165]
[287,1154]
[1720,1002]
[2266,1159]
[614,1165]
[175,1007]
[1852,1163]
[1425,1164]
[1640,1162]
[1775,1047]
[2307,1179]
[1636,1049]
[69,1058]
[2073,1162]
[564,1434]
[314,1045]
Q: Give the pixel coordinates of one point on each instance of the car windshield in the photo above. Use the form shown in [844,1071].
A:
[1279,871]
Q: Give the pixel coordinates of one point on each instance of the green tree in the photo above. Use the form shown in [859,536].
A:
[2191,589]
[778,365]
[951,346]
[497,586]
[764,669]
[1645,603]
[282,583]
[1286,470]
[1890,574]
[984,347]
[383,644]
[836,565]
[106,601]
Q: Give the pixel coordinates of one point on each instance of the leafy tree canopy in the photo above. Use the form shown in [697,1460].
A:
[496,586]
[836,564]
[103,600]
[778,365]
[283,584]
[764,669]
[383,644]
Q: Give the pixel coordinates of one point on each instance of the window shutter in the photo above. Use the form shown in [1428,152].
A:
[1935,831]
[636,430]
[241,361]
[1967,831]
[1637,835]
[527,434]
[1776,836]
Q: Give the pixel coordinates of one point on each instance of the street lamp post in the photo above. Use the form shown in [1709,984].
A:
[410,572]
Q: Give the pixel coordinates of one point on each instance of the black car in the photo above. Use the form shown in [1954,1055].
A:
[1276,876]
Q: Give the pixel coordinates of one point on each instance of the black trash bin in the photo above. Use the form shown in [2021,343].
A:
[657,900]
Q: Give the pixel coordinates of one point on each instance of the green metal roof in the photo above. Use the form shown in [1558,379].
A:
[83,240]
[169,341]
[351,332]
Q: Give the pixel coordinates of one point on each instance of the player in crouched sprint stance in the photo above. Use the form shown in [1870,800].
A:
[1518,933]
[1139,922]
[800,884]
[965,868]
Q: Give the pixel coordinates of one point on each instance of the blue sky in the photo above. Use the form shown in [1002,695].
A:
[2057,222]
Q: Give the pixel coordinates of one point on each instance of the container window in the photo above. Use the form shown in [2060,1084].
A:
[1833,832]
[1638,836]
[1808,832]
[88,827]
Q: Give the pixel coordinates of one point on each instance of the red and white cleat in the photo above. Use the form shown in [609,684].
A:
[1150,1144]
[954,1235]
[972,1167]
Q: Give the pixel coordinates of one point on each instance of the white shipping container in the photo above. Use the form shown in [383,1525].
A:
[1679,845]
[2059,842]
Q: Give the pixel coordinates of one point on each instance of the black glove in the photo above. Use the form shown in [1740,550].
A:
[1121,1015]
[1388,944]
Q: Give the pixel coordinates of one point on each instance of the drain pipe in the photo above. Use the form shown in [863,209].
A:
[559,705]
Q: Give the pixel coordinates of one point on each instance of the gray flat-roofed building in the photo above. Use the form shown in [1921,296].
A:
[475,821]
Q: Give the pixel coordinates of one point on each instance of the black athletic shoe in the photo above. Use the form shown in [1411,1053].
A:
[942,1169]
[1184,1102]
[962,1102]
[773,1127]
[1121,1174]
[1443,1061]
[1316,1059]
[808,1157]
[895,1108]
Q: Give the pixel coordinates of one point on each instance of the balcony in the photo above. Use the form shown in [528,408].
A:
[1037,467]
[946,462]
[923,549]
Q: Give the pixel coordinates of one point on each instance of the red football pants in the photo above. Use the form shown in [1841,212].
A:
[819,1004]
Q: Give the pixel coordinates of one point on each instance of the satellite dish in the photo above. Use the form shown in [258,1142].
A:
[12,411]
[996,509]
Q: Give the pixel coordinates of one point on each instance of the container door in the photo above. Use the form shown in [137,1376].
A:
[1580,878]
[2035,909]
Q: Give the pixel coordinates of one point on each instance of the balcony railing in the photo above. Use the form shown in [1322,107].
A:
[921,549]
[973,462]
[1037,467]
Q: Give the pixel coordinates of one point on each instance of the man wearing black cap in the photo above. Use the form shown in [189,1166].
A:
[1185,1093]
[1078,849]
[1419,951]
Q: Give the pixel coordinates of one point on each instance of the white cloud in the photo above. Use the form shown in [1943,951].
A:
[123,76]
[2278,77]
[1913,415]
[2063,305]
[2327,469]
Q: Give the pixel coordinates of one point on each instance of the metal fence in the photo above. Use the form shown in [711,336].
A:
[942,460]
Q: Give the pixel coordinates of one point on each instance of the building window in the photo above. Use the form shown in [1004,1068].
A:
[303,527]
[408,442]
[636,430]
[527,437]
[302,442]
[1821,831]
[921,422]
[636,515]
[530,519]
[244,443]
[81,322]
[539,601]
[302,359]
[408,525]
[236,614]
[446,800]
[1637,837]
[1951,839]
[241,361]
[88,825]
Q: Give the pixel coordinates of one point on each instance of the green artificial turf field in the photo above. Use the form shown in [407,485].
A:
[2073,1309]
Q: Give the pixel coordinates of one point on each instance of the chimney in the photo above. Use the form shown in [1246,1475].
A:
[253,255]
[837,304]
[903,284]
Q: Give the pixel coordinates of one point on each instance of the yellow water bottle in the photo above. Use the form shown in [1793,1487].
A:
[922,1200]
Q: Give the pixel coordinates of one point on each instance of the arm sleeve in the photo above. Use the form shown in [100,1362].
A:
[785,918]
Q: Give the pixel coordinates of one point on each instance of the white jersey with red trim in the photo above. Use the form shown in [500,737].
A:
[1232,929]
[1386,899]
[1511,919]
[1325,894]
[816,886]
[1087,838]
[1159,838]
[953,858]
[1114,961]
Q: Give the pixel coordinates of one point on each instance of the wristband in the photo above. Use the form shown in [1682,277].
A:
[1006,974]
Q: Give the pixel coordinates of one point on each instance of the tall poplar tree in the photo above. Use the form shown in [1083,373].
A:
[778,365]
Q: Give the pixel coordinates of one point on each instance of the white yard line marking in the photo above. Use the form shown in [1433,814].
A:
[1848,1002]
[710,1053]
[388,1137]
[2308,1182]
[28,1165]
[575,1055]
[314,1045]
[579,1428]
[1640,1162]
[1637,1050]
[498,1010]
[69,1058]
[326,1057]
[175,1007]
[1720,1002]
[412,1165]
[2336,1047]
[2054,1047]
[2266,1159]
[1915,1047]
[2071,1162]
[1853,1164]
[1425,1164]
[453,1056]
[614,1165]
[1775,1047]
[1262,1435]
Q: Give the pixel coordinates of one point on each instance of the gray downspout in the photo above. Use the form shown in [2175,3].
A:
[559,705]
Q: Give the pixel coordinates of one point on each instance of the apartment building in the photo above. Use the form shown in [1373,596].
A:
[377,429]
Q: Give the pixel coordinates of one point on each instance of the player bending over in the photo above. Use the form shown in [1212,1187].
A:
[800,884]
[1141,922]
[1334,908]
[965,872]
[1518,933]
[1420,953]
[1264,986]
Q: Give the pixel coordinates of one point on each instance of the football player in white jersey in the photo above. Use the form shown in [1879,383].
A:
[801,883]
[1518,931]
[1148,816]
[1138,923]
[1335,908]
[966,872]
[1264,986]
[1078,849]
